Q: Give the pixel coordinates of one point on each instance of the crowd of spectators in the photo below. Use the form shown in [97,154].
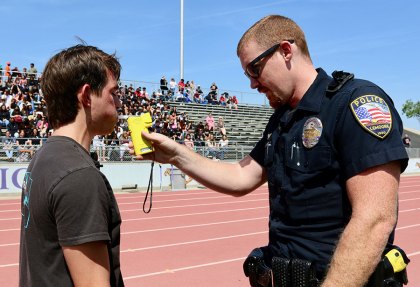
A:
[24,116]
[188,92]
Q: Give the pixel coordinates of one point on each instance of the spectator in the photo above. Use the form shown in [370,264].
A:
[233,103]
[42,125]
[124,140]
[13,127]
[8,72]
[197,98]
[24,147]
[172,86]
[208,99]
[98,144]
[192,86]
[222,99]
[223,146]
[163,85]
[210,121]
[144,94]
[9,145]
[181,86]
[213,88]
[211,147]
[189,142]
[179,97]
[4,114]
[32,70]
[36,139]
[406,141]
[221,126]
[188,90]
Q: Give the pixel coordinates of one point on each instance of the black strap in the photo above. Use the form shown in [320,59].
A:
[340,78]
[149,187]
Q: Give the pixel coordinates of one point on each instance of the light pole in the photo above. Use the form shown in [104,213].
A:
[181,72]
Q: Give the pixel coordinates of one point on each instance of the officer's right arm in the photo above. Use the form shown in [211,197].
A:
[236,179]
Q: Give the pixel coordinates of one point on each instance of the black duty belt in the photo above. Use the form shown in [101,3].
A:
[390,272]
[283,273]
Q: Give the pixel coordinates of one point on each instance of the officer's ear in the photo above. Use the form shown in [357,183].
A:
[286,48]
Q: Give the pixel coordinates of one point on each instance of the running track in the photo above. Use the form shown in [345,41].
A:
[198,237]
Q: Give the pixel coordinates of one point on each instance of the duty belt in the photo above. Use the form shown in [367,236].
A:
[390,272]
[283,273]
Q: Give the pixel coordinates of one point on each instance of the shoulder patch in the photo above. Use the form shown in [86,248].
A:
[373,114]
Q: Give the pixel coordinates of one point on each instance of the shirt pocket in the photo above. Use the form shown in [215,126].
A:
[307,161]
[313,193]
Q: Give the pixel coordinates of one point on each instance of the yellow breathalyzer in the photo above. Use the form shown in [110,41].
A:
[136,125]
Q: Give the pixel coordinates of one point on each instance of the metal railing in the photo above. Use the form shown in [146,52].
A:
[120,153]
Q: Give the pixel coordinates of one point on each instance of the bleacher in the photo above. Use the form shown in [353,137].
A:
[244,126]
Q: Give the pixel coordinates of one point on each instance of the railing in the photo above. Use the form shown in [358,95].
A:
[413,152]
[120,153]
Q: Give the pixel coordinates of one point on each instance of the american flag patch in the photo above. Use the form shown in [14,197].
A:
[373,114]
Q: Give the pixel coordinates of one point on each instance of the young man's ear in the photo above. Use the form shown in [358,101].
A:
[84,95]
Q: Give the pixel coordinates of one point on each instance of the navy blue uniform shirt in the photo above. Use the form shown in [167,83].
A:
[309,152]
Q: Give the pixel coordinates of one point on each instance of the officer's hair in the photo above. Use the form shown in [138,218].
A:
[273,29]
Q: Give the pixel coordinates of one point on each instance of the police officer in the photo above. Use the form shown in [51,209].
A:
[331,153]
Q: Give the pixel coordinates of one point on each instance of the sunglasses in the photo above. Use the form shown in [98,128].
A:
[253,70]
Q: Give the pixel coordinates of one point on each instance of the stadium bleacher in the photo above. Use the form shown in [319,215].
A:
[244,125]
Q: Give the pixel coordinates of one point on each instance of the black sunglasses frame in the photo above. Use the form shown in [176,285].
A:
[250,68]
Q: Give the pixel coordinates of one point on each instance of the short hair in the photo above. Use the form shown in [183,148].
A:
[271,30]
[67,71]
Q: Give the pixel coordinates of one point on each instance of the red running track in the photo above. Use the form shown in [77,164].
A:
[198,237]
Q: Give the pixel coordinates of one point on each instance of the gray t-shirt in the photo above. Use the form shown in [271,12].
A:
[66,201]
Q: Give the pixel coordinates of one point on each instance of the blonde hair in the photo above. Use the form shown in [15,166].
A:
[273,29]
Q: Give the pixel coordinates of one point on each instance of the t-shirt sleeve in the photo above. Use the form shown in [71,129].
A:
[80,206]
[369,133]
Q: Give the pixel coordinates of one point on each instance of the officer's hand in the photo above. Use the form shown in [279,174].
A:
[165,148]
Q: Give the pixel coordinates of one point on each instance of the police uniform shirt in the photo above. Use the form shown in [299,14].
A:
[309,153]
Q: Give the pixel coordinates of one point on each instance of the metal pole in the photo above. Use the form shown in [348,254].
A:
[182,42]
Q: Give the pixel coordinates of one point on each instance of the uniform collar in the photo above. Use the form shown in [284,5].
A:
[312,99]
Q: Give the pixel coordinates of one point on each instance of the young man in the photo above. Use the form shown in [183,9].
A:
[70,230]
[331,149]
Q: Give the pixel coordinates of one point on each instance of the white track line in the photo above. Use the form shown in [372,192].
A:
[160,194]
[177,199]
[194,205]
[192,242]
[177,206]
[413,254]
[9,265]
[194,225]
[9,244]
[193,214]
[169,271]
[408,226]
[410,199]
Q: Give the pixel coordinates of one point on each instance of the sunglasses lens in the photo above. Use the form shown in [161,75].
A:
[252,71]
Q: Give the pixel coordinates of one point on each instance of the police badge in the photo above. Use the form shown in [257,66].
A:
[373,114]
[312,130]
